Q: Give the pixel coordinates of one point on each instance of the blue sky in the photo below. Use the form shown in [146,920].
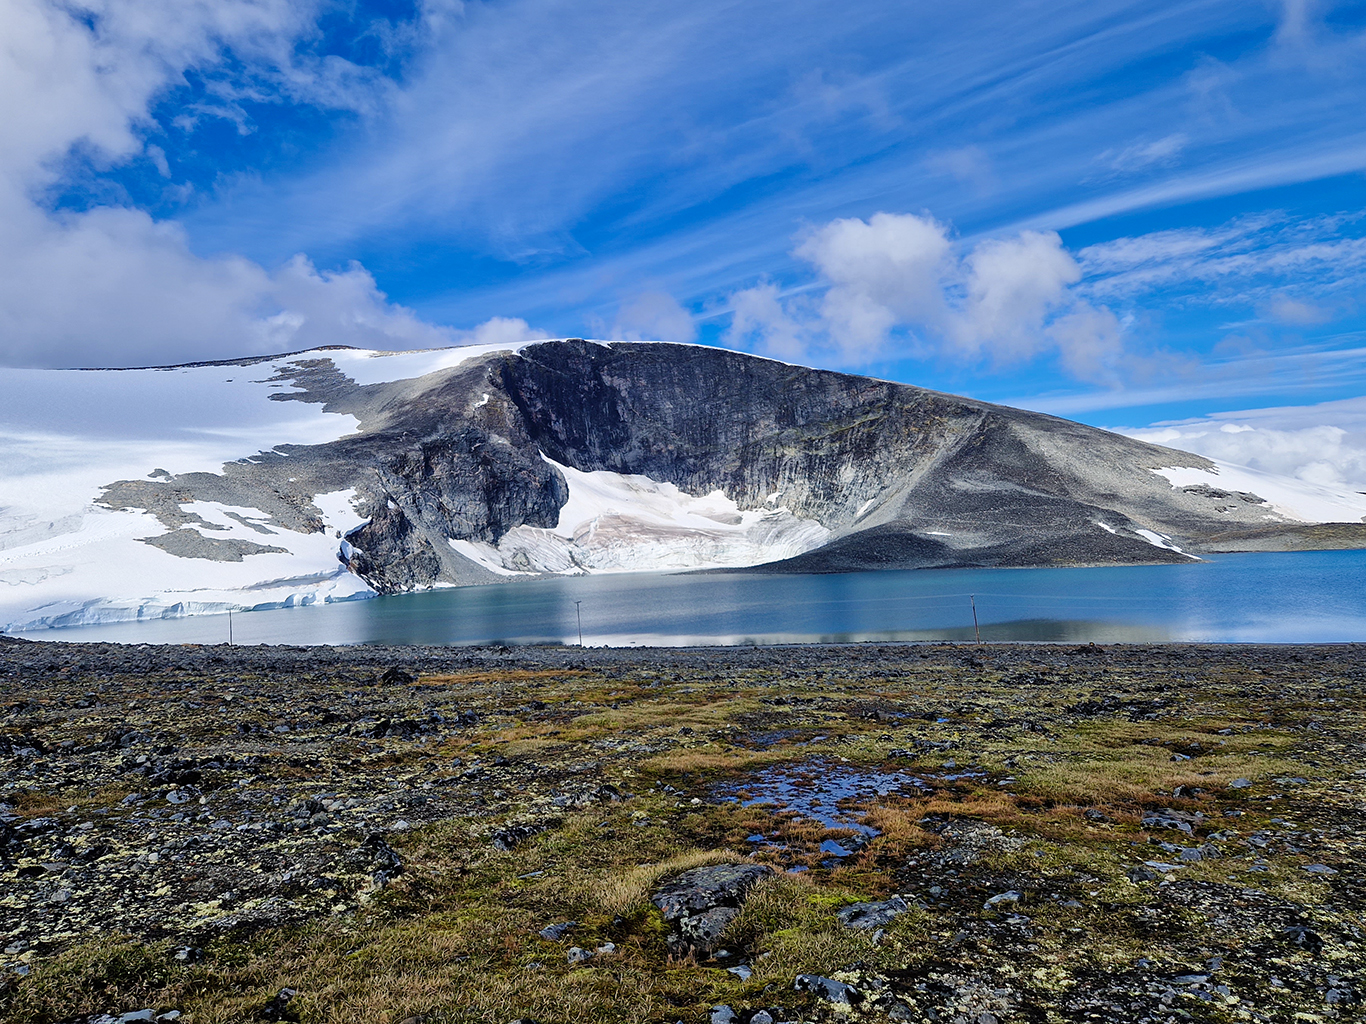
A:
[1127,213]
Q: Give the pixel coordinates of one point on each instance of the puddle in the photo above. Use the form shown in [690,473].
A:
[823,791]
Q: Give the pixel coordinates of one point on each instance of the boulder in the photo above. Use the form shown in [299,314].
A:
[700,903]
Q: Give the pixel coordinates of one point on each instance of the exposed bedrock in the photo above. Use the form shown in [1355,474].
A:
[895,476]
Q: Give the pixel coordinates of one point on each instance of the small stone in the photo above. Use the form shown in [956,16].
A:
[136,1015]
[762,1017]
[1319,869]
[723,1015]
[1240,784]
[1163,866]
[578,955]
[827,988]
[1010,896]
[555,932]
[742,972]
[1190,855]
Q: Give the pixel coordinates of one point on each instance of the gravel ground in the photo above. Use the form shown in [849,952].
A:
[1024,832]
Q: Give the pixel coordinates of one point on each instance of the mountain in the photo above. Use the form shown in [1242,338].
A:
[336,474]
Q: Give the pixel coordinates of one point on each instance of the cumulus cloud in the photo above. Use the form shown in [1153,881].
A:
[654,316]
[898,276]
[113,286]
[1322,444]
[760,320]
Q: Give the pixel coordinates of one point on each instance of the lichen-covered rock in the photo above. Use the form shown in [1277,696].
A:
[872,915]
[700,903]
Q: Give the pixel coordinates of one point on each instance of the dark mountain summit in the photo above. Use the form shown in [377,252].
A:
[463,474]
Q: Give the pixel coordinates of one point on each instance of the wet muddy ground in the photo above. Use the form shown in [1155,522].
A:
[955,833]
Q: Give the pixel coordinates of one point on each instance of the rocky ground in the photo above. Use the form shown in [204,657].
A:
[967,834]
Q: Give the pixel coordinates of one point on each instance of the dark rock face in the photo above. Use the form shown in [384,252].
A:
[700,903]
[901,477]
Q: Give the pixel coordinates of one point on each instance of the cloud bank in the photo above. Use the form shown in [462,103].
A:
[110,284]
[894,285]
[1322,444]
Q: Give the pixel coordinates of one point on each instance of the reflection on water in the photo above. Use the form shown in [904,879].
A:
[1277,597]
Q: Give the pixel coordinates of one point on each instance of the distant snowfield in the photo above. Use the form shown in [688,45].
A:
[66,434]
[1286,496]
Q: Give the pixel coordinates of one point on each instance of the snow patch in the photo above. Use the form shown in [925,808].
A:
[616,522]
[1159,540]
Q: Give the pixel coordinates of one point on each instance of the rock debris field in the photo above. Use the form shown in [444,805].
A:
[972,834]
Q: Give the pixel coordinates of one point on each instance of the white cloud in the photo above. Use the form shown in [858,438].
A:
[500,330]
[1322,444]
[882,271]
[654,316]
[760,321]
[897,276]
[1013,285]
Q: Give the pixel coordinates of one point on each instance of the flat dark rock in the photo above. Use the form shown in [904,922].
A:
[872,915]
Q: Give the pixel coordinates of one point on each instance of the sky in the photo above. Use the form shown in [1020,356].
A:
[1149,217]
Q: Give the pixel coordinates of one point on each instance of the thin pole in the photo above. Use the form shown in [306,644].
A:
[229,627]
[579,615]
[976,632]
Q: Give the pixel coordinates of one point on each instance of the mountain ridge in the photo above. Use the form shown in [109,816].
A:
[390,472]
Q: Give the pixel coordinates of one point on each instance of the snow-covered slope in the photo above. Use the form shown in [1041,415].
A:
[65,435]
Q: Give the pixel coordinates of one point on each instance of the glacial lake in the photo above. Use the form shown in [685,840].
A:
[1314,596]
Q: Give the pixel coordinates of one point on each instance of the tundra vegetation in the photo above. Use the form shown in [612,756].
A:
[966,833]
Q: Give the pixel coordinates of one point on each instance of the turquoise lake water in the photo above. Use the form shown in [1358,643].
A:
[1316,596]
